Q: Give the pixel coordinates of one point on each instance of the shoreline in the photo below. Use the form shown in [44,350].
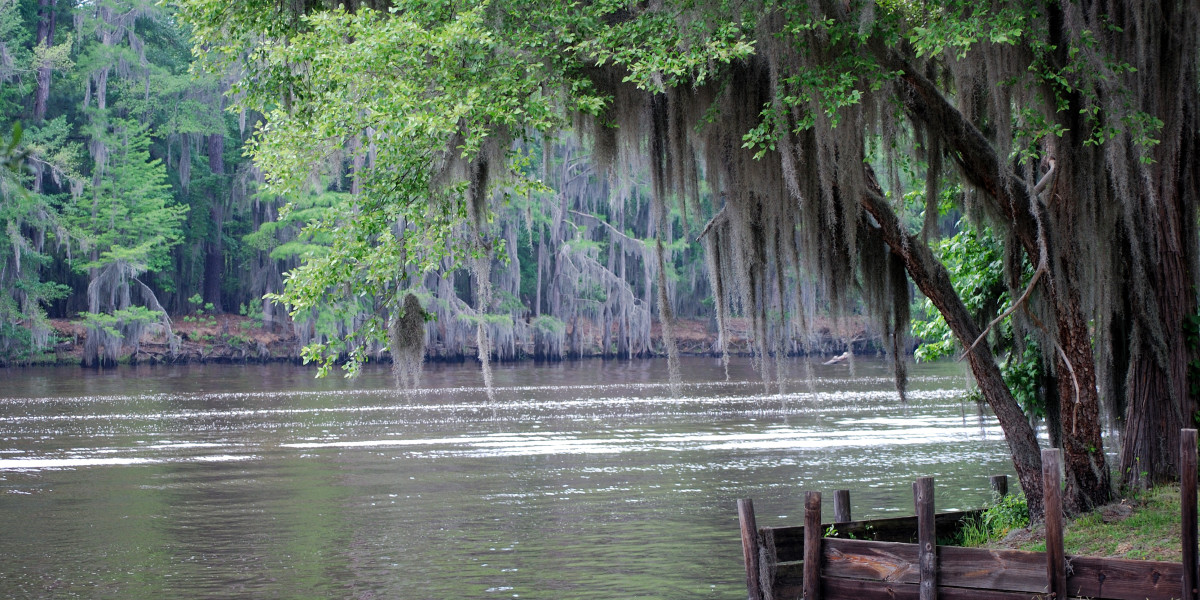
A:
[237,340]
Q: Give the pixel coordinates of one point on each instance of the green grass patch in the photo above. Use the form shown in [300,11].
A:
[1144,526]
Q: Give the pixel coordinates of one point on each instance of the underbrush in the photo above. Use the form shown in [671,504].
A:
[1145,525]
[998,519]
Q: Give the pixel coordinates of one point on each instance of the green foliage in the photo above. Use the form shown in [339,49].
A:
[658,54]
[1006,514]
[288,237]
[16,344]
[15,42]
[252,310]
[973,259]
[958,25]
[130,213]
[1024,375]
[203,315]
[365,84]
[104,177]
[430,93]
[549,325]
[24,217]
[508,303]
[112,323]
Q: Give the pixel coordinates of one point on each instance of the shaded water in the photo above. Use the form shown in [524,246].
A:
[582,480]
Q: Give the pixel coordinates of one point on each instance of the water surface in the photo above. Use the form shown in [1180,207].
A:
[579,480]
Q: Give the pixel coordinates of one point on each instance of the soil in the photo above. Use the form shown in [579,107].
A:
[236,339]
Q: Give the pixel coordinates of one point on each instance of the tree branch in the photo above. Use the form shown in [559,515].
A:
[933,280]
[609,227]
[1043,268]
[713,222]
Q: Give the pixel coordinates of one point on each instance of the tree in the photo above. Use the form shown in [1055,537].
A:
[128,225]
[25,219]
[29,219]
[1047,112]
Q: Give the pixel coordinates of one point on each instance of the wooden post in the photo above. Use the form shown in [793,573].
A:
[750,547]
[926,536]
[1187,501]
[1056,571]
[841,506]
[812,546]
[999,485]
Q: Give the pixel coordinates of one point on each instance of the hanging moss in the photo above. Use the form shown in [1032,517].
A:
[407,343]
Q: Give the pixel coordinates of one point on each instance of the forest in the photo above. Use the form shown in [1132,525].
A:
[427,176]
[132,210]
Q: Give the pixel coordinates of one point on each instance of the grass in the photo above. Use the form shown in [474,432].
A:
[1143,526]
[1006,514]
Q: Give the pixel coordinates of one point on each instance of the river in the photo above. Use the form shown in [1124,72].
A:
[583,480]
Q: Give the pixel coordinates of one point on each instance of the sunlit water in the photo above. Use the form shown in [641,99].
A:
[580,480]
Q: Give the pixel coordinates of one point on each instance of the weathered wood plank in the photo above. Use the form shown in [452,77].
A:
[1120,578]
[1187,501]
[862,559]
[812,546]
[789,541]
[1012,570]
[978,568]
[789,579]
[999,485]
[926,537]
[841,506]
[882,566]
[749,547]
[841,589]
[1056,573]
[852,588]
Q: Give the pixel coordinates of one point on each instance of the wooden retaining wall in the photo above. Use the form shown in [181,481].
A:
[902,560]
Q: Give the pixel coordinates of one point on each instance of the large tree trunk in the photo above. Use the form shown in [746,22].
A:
[1159,397]
[1087,472]
[45,37]
[931,278]
[214,251]
[1088,483]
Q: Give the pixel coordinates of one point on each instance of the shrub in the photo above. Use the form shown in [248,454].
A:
[1008,513]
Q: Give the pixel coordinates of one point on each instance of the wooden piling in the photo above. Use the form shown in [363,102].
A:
[1187,501]
[999,485]
[811,585]
[749,546]
[1056,572]
[926,537]
[841,506]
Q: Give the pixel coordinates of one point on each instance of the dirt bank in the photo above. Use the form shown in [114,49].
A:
[238,339]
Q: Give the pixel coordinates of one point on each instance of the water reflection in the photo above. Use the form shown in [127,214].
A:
[582,480]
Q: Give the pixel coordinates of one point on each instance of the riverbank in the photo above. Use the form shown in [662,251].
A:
[1144,525]
[235,339]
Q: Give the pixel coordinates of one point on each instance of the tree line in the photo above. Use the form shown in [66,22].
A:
[129,202]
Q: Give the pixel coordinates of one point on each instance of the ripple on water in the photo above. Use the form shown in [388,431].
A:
[361,492]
